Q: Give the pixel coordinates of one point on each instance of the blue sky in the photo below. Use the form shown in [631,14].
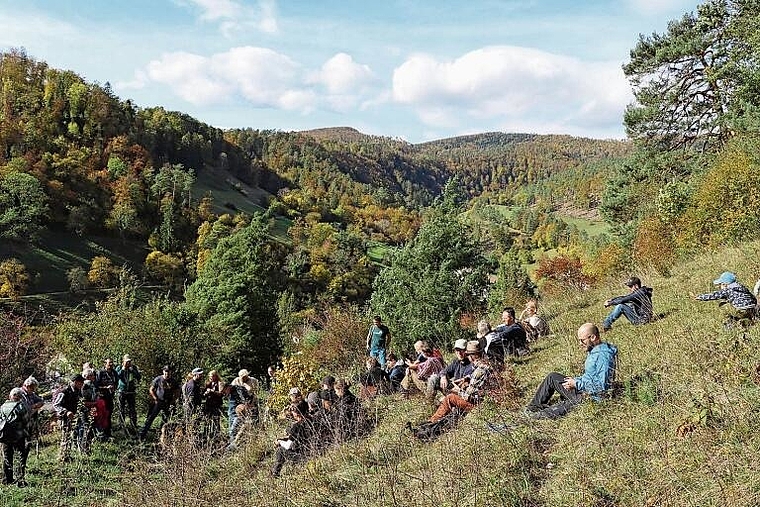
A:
[417,70]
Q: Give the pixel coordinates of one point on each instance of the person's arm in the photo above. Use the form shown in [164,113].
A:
[594,377]
[712,296]
[387,339]
[369,335]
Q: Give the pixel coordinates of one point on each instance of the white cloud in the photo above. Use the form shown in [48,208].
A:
[261,76]
[502,85]
[233,16]
[346,82]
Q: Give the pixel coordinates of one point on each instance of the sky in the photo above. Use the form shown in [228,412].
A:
[414,70]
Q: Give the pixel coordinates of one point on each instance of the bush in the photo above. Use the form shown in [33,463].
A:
[14,279]
[561,273]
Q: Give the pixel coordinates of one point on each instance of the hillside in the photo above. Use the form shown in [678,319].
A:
[680,433]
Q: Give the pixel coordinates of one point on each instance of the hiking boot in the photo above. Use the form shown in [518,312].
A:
[21,483]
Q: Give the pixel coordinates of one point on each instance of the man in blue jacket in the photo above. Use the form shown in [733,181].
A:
[598,374]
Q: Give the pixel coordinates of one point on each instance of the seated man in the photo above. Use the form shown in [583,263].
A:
[375,381]
[509,339]
[458,369]
[636,305]
[741,301]
[396,369]
[471,390]
[598,374]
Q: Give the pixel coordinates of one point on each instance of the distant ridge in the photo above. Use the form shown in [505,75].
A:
[344,134]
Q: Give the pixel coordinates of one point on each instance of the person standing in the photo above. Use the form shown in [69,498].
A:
[163,391]
[192,399]
[17,417]
[66,406]
[129,376]
[213,401]
[378,340]
[106,381]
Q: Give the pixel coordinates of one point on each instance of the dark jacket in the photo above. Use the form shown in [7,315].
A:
[66,400]
[641,302]
[458,369]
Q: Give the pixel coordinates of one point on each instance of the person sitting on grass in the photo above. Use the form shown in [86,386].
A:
[293,446]
[375,381]
[458,369]
[597,377]
[419,371]
[535,325]
[636,305]
[741,302]
[470,391]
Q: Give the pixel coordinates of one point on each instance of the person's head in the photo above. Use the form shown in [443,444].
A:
[391,359]
[508,315]
[108,363]
[313,400]
[295,395]
[271,370]
[244,375]
[77,381]
[328,383]
[376,320]
[213,376]
[88,374]
[197,373]
[484,327]
[633,283]
[725,278]
[371,363]
[460,348]
[167,372]
[473,350]
[588,336]
[15,394]
[341,386]
[418,346]
[426,349]
[296,413]
[31,384]
[126,361]
[531,307]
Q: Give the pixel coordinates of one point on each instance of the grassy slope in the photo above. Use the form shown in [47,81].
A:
[625,452]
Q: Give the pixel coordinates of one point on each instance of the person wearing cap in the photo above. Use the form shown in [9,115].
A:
[597,377]
[65,405]
[18,426]
[107,381]
[378,340]
[470,391]
[192,399]
[636,305]
[163,393]
[459,368]
[129,376]
[741,302]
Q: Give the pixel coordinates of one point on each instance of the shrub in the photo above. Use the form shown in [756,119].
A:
[102,272]
[561,273]
[14,279]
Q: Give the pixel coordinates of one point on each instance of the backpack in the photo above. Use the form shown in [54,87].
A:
[9,424]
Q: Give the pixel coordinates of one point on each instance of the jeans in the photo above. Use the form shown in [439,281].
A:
[379,354]
[621,309]
[552,383]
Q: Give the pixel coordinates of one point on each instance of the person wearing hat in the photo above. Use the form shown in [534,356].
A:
[163,393]
[598,374]
[65,405]
[453,374]
[296,400]
[17,417]
[471,389]
[242,404]
[741,302]
[192,399]
[636,305]
[126,389]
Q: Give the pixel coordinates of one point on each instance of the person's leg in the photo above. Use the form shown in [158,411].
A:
[8,450]
[552,383]
[23,449]
[562,408]
[449,402]
[279,461]
[154,410]
[381,357]
[64,448]
[418,382]
[433,385]
[617,312]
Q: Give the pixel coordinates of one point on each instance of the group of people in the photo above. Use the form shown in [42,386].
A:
[84,407]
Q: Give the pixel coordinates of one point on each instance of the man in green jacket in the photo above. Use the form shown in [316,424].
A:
[17,421]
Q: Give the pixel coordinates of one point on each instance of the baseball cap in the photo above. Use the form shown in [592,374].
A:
[197,371]
[460,344]
[725,277]
[294,390]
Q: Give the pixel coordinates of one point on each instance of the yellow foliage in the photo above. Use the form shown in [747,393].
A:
[654,245]
[14,279]
[298,371]
[102,272]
